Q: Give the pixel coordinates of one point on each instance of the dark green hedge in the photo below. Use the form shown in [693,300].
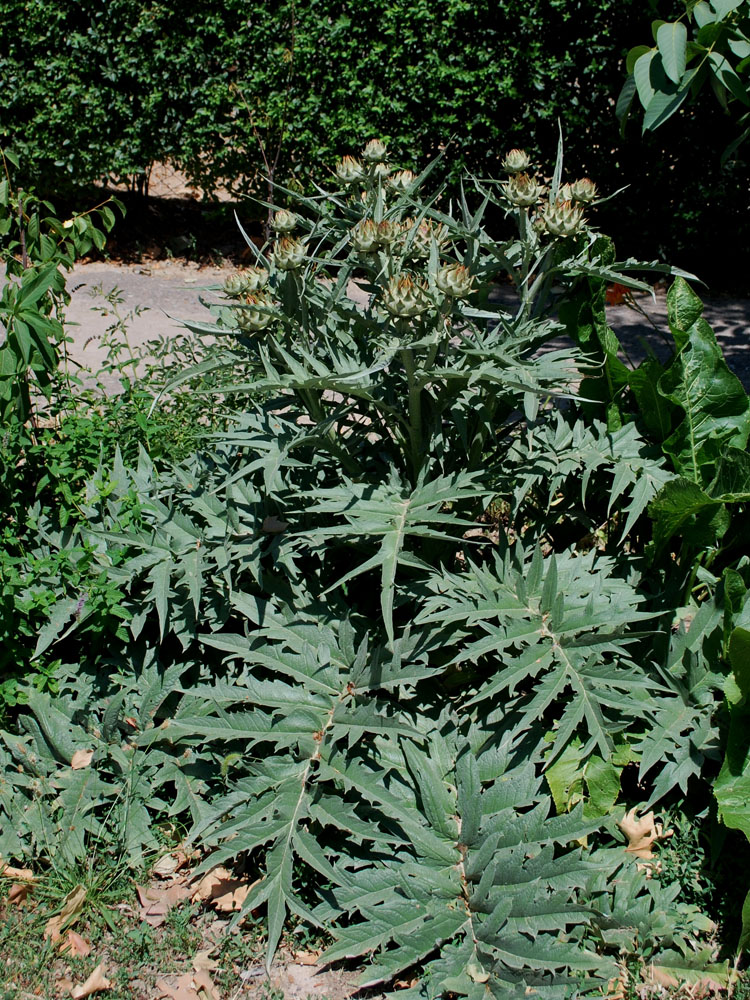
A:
[106,87]
[99,87]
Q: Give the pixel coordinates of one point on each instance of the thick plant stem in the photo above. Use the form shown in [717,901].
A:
[415,412]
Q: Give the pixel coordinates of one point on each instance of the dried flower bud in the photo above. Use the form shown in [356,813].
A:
[283,221]
[454,280]
[289,253]
[405,297]
[402,180]
[365,236]
[522,190]
[253,315]
[374,151]
[349,170]
[583,190]
[516,161]
[563,218]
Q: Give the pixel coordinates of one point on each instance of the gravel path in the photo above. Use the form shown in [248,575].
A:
[171,290]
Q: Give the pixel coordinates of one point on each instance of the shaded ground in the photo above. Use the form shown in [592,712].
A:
[171,290]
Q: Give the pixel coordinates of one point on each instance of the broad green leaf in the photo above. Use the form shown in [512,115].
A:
[716,407]
[684,308]
[642,76]
[726,74]
[653,409]
[682,507]
[725,7]
[671,39]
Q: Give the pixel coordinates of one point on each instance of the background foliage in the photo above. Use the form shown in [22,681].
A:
[96,90]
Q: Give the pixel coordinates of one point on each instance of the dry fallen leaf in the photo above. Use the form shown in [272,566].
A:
[96,981]
[81,759]
[204,986]
[156,902]
[641,833]
[202,962]
[219,888]
[19,874]
[75,945]
[18,893]
[170,863]
[64,985]
[177,987]
[306,957]
[71,910]
[189,986]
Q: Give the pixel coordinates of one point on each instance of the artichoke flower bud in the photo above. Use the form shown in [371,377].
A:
[381,170]
[255,278]
[426,232]
[454,280]
[289,253]
[374,151]
[402,180]
[563,218]
[349,169]
[404,297]
[564,193]
[388,232]
[365,236]
[516,161]
[234,285]
[250,318]
[283,221]
[522,190]
[583,190]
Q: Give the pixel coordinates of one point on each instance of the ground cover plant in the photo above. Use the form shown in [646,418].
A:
[418,643]
[60,423]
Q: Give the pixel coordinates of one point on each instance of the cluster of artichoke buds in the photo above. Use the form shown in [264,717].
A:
[405,297]
[402,180]
[289,253]
[522,190]
[563,218]
[255,312]
[283,221]
[516,161]
[250,280]
[349,170]
[582,190]
[454,280]
[368,236]
[425,233]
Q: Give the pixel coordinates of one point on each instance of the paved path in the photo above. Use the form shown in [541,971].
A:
[171,292]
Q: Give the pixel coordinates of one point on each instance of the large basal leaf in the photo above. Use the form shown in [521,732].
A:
[715,406]
[558,629]
[492,906]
